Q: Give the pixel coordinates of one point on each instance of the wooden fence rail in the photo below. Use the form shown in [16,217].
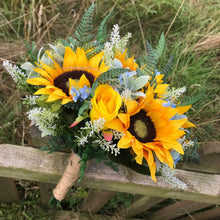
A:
[203,188]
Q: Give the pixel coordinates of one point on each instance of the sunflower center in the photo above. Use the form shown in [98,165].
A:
[62,81]
[142,127]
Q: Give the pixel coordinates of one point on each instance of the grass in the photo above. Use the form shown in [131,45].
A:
[192,35]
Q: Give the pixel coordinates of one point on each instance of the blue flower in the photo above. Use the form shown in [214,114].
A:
[157,73]
[85,91]
[169,104]
[176,160]
[75,93]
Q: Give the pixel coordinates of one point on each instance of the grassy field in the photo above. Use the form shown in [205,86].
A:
[192,34]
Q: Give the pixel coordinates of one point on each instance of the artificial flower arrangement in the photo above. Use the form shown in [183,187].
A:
[104,104]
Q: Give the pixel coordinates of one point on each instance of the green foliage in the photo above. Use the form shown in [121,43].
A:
[106,78]
[167,68]
[53,106]
[148,63]
[95,51]
[73,42]
[32,51]
[59,143]
[83,31]
[116,201]
[73,105]
[191,154]
[91,45]
[84,108]
[28,207]
[190,100]
[102,30]
[160,47]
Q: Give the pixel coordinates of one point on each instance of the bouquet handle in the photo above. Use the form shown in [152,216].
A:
[70,175]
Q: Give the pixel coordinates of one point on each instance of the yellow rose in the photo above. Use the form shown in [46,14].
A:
[105,104]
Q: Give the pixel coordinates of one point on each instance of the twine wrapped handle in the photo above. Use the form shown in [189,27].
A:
[70,175]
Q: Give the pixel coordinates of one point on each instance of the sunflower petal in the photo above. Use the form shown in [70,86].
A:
[43,91]
[83,81]
[115,124]
[148,155]
[82,60]
[183,109]
[70,58]
[38,81]
[125,118]
[66,100]
[188,124]
[60,93]
[53,97]
[44,74]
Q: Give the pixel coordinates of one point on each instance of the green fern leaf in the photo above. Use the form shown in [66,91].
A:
[83,31]
[95,51]
[65,43]
[189,100]
[102,30]
[73,42]
[141,72]
[106,76]
[149,66]
[167,68]
[160,47]
[91,45]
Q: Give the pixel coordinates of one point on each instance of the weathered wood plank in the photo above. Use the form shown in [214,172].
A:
[95,200]
[140,205]
[211,214]
[32,164]
[46,192]
[8,190]
[67,215]
[209,160]
[178,209]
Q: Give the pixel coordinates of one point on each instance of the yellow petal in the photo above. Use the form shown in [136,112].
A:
[70,58]
[59,92]
[177,123]
[168,143]
[125,118]
[132,107]
[148,155]
[43,91]
[139,158]
[168,159]
[183,109]
[82,60]
[95,61]
[38,81]
[115,124]
[58,68]
[73,83]
[44,74]
[53,97]
[66,100]
[188,124]
[84,81]
[124,145]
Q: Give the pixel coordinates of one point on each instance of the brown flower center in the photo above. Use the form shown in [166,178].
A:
[142,127]
[62,81]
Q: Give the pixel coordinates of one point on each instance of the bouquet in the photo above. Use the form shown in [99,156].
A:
[94,98]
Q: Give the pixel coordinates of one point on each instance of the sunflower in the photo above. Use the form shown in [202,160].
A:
[77,72]
[149,130]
